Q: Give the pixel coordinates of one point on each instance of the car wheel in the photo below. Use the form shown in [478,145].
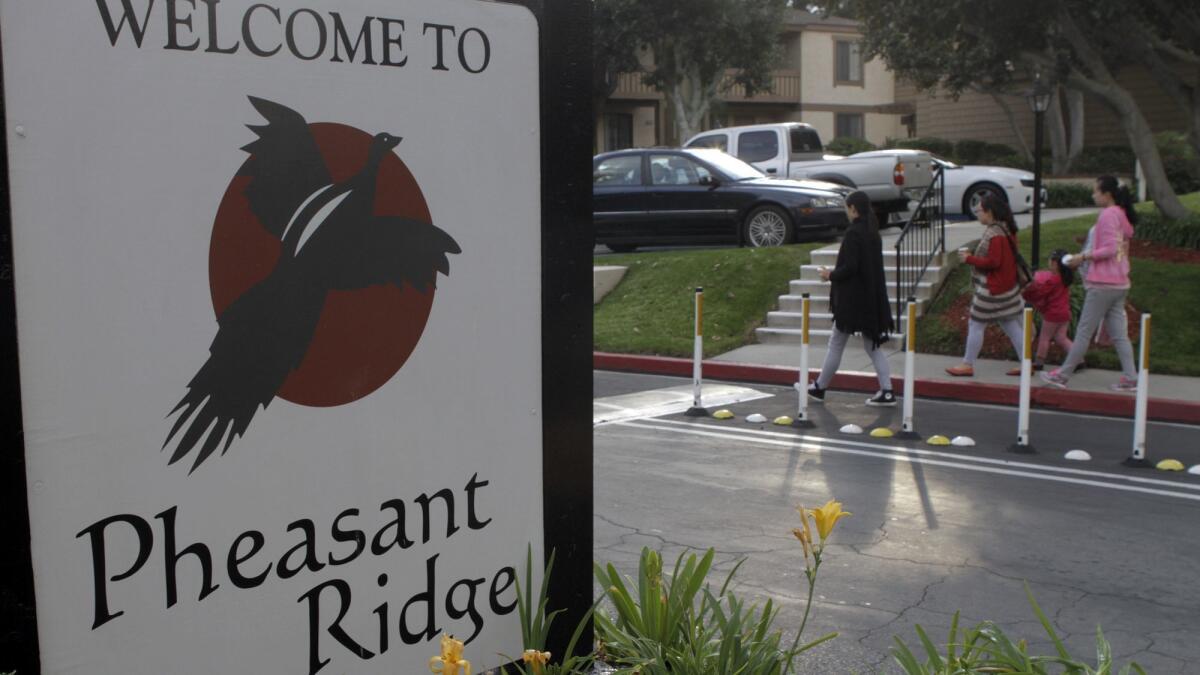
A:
[767,226]
[622,248]
[975,195]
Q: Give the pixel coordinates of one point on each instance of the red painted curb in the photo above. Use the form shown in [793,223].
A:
[1097,403]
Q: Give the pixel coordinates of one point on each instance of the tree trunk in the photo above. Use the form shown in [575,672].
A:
[1184,93]
[679,110]
[690,101]
[1058,135]
[1012,124]
[1100,83]
[1142,140]
[1192,110]
[1075,126]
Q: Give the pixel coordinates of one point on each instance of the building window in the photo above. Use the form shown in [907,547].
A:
[848,65]
[849,125]
[618,131]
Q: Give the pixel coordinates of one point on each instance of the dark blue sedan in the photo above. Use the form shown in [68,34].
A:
[704,196]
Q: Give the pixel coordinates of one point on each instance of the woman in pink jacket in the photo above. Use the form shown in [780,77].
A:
[1106,279]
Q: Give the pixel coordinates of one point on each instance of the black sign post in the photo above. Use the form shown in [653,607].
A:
[567,241]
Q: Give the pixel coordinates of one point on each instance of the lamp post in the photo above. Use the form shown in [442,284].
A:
[1039,102]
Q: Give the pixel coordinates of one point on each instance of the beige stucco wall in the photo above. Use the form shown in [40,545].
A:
[643,127]
[822,122]
[818,54]
[880,128]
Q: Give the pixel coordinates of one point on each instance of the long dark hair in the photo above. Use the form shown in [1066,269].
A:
[1120,195]
[862,204]
[1000,211]
[1064,272]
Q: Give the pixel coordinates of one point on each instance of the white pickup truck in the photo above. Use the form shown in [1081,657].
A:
[794,150]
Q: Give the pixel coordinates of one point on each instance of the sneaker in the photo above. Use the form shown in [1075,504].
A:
[1054,378]
[884,399]
[1124,384]
[963,370]
[816,393]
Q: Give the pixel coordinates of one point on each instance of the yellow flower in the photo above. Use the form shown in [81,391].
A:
[451,661]
[826,517]
[538,659]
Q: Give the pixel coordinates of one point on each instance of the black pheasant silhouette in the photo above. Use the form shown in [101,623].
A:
[330,241]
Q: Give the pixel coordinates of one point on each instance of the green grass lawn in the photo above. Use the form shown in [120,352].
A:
[1167,290]
[650,311]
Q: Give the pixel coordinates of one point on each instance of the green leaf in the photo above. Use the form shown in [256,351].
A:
[1058,644]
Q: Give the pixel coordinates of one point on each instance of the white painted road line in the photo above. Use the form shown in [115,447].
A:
[942,455]
[669,401]
[902,454]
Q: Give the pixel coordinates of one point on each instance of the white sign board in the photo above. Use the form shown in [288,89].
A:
[278,291]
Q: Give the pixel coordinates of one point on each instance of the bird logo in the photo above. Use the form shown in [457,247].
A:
[322,269]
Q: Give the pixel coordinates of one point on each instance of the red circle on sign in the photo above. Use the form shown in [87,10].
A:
[364,336]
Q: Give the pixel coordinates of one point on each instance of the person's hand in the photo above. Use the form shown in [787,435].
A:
[962,255]
[1075,261]
[824,272]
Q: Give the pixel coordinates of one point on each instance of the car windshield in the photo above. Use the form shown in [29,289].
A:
[732,167]
[945,163]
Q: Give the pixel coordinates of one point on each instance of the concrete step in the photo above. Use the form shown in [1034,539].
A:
[933,273]
[828,257]
[816,336]
[791,336]
[821,320]
[793,303]
[814,288]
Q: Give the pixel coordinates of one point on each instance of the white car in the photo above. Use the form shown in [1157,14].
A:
[966,186]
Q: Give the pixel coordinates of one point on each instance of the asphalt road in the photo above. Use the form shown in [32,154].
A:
[934,530]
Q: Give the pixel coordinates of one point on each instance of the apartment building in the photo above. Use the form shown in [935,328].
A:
[823,81]
[977,116]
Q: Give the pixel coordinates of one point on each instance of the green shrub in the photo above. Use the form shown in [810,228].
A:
[1015,161]
[985,648]
[678,624]
[1178,156]
[845,145]
[1068,195]
[1184,233]
[980,152]
[937,146]
[1105,159]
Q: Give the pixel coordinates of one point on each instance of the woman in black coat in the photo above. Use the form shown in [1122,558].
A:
[858,300]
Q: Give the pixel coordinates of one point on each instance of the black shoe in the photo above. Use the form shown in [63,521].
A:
[884,399]
[816,393]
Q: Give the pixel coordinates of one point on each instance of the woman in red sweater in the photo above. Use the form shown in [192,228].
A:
[997,295]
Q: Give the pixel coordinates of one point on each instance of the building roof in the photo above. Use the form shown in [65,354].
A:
[803,19]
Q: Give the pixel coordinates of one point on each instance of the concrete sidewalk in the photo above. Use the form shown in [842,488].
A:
[1172,398]
[931,367]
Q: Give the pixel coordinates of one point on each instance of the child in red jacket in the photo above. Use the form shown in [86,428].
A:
[1050,295]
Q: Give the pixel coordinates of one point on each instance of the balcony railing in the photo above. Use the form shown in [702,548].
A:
[785,88]
[629,85]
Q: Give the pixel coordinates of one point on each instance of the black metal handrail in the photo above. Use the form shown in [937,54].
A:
[925,232]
